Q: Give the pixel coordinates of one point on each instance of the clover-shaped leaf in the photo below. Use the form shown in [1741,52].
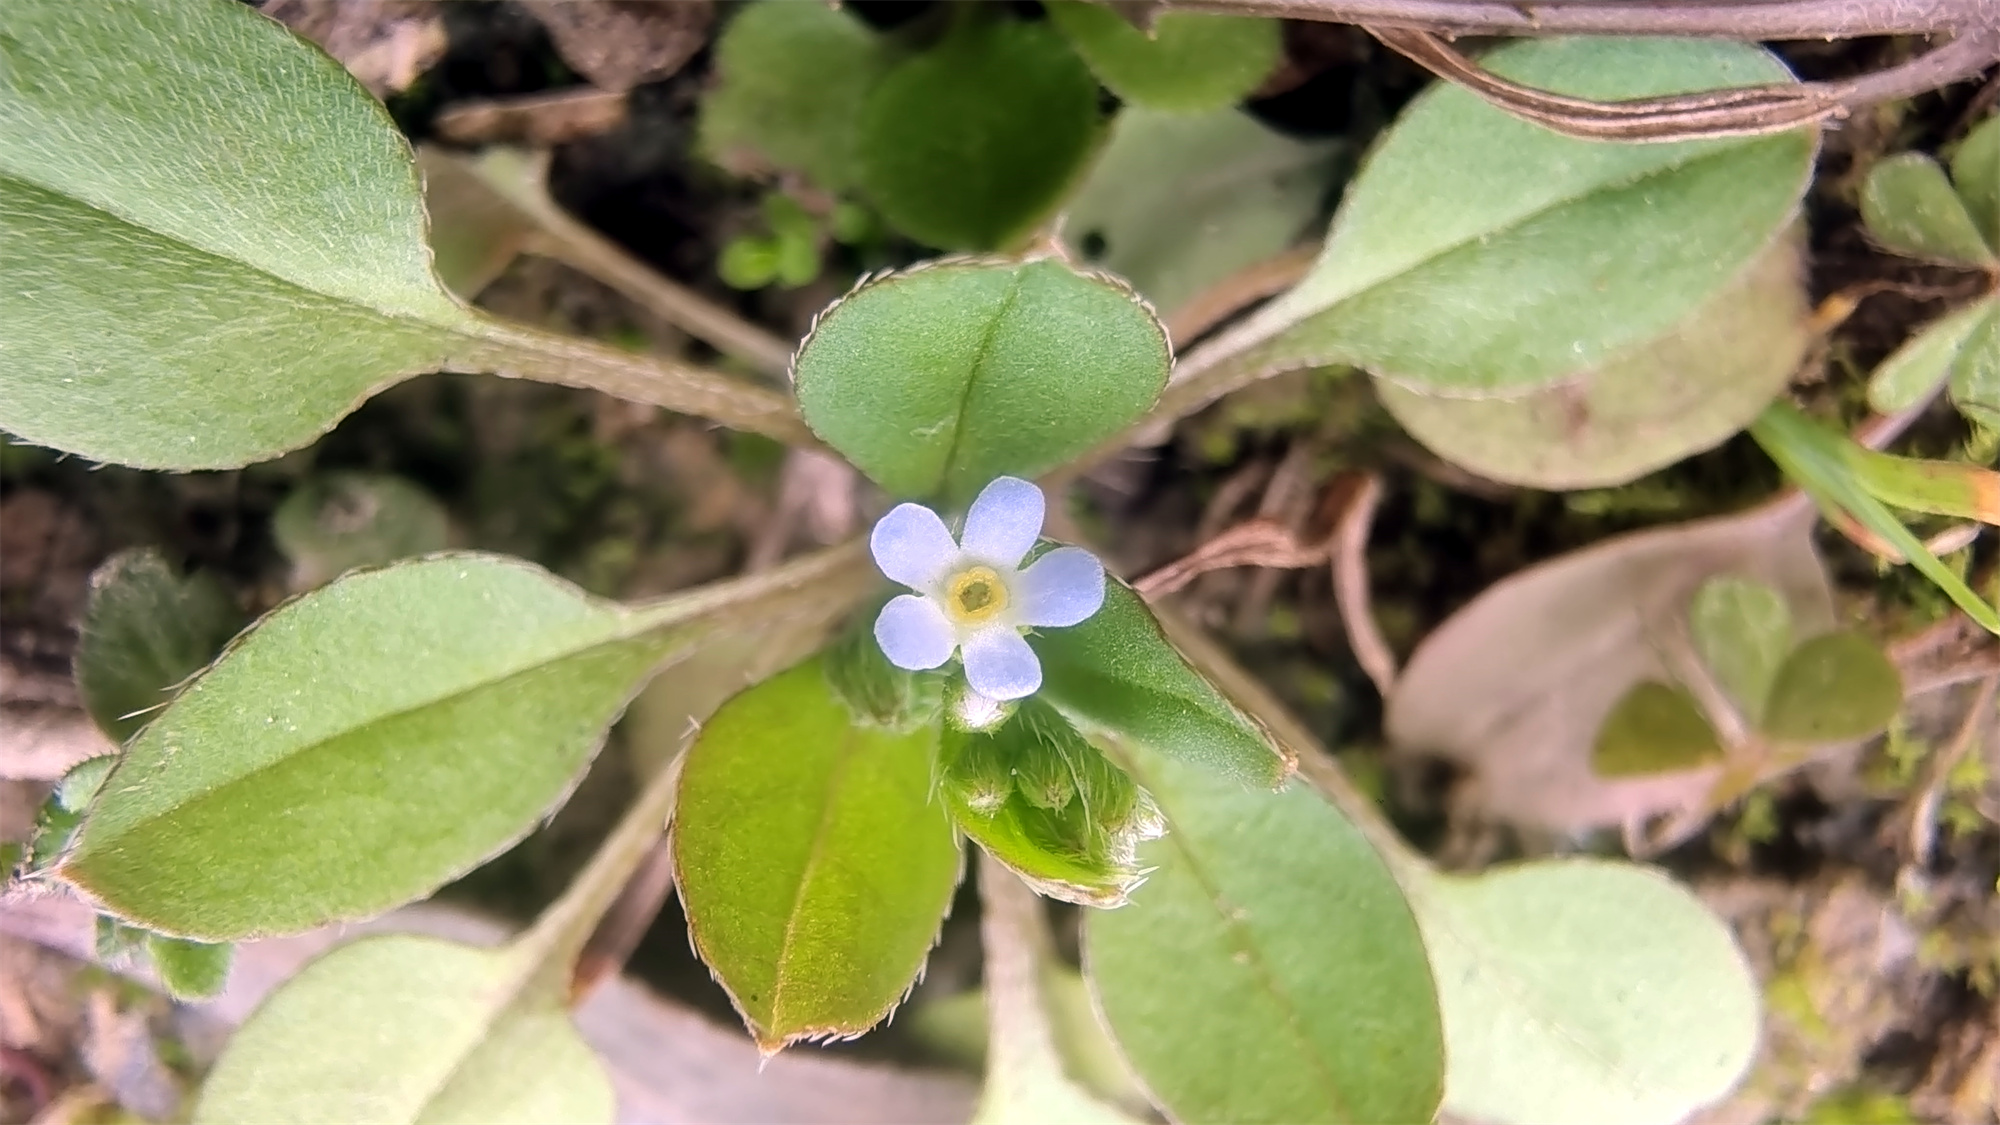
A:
[792,81]
[1834,687]
[965,146]
[939,379]
[1188,62]
[1654,728]
[1743,630]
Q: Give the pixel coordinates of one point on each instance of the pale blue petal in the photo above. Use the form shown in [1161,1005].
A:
[913,546]
[1062,587]
[1003,522]
[913,633]
[1000,665]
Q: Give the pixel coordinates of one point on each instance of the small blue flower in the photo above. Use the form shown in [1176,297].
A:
[972,596]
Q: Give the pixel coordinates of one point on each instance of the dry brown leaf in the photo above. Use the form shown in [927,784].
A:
[1516,685]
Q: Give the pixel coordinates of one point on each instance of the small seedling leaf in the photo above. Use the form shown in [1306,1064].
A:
[1835,687]
[1654,728]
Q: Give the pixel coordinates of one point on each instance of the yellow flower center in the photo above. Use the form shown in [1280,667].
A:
[976,594]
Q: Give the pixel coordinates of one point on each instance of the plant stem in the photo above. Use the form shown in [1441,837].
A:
[518,352]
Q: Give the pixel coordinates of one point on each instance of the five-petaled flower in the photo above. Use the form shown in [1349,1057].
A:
[973,596]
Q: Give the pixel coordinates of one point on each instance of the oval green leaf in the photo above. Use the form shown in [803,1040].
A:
[1673,396]
[1925,359]
[969,144]
[1477,254]
[1268,970]
[190,970]
[814,864]
[1975,371]
[1975,172]
[1652,729]
[937,380]
[1188,62]
[1743,630]
[146,629]
[1580,991]
[365,743]
[406,1029]
[792,79]
[1835,687]
[1116,676]
[337,522]
[1911,209]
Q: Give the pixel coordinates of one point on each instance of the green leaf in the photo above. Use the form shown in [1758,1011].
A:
[411,1029]
[1942,488]
[1975,373]
[216,237]
[1187,64]
[1180,202]
[190,970]
[365,743]
[969,144]
[1926,358]
[1654,728]
[748,262]
[1911,209]
[1670,397]
[145,630]
[1580,991]
[1477,254]
[215,247]
[1743,630]
[1975,171]
[939,379]
[1834,688]
[337,522]
[1818,460]
[792,81]
[1117,677]
[813,864]
[1047,804]
[1269,970]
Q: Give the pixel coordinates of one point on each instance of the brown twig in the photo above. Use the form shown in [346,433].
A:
[626,922]
[1351,593]
[1734,19]
[1743,111]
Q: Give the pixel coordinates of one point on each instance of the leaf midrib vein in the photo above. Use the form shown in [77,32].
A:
[980,357]
[1256,962]
[624,636]
[844,758]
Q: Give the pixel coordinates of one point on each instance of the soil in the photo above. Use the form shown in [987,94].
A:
[1881,972]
